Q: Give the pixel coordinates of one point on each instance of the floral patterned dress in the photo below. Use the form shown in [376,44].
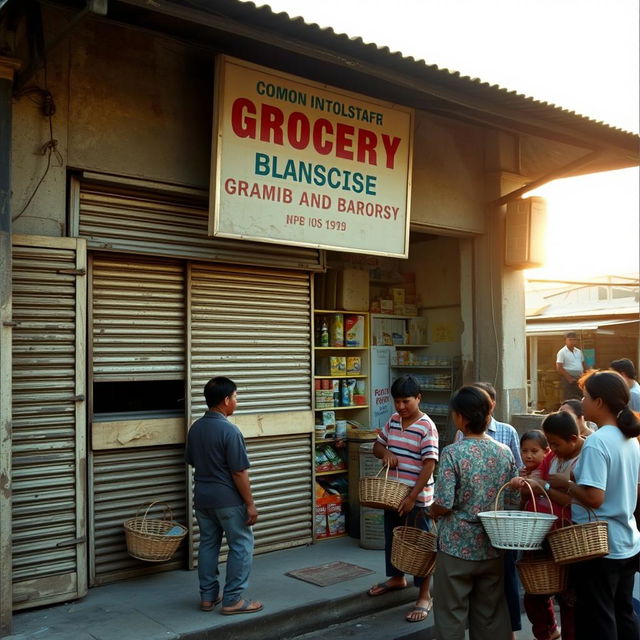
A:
[470,475]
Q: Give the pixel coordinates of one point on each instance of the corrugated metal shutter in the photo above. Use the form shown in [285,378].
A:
[252,325]
[49,445]
[280,475]
[165,221]
[138,319]
[123,481]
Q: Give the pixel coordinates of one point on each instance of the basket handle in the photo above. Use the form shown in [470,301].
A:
[589,511]
[533,497]
[423,513]
[386,473]
[167,509]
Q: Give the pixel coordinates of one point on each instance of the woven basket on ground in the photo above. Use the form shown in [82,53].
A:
[151,539]
[382,493]
[520,530]
[580,542]
[540,575]
[413,550]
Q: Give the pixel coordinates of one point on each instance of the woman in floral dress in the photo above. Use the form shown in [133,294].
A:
[468,581]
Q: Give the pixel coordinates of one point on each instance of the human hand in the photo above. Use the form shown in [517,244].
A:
[517,483]
[559,481]
[390,459]
[252,514]
[406,506]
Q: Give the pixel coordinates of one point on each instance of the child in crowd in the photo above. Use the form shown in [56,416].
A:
[408,443]
[533,450]
[575,407]
[561,432]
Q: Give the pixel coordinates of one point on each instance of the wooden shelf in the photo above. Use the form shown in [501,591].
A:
[341,348]
[420,366]
[403,346]
[389,316]
[347,313]
[335,472]
[436,389]
[339,377]
[352,406]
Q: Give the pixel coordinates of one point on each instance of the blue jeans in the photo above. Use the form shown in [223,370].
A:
[418,518]
[213,524]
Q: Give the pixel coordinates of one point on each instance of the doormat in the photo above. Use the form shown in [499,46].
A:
[325,575]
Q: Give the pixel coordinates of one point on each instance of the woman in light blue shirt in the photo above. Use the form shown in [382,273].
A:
[606,480]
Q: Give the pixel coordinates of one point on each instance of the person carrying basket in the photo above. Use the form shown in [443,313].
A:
[606,480]
[408,443]
[469,577]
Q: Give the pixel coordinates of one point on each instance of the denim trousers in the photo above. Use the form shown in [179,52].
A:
[213,523]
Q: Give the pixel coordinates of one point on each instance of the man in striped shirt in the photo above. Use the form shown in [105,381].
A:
[408,443]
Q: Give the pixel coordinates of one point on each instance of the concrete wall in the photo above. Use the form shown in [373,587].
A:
[133,103]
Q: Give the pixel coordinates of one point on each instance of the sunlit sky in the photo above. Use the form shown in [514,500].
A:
[582,55]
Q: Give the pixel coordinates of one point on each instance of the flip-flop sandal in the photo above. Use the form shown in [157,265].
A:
[245,608]
[422,610]
[209,605]
[384,588]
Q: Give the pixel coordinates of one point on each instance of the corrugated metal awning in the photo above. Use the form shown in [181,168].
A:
[560,327]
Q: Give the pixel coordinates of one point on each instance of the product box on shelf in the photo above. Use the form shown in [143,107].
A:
[321,529]
[336,330]
[354,365]
[354,331]
[337,365]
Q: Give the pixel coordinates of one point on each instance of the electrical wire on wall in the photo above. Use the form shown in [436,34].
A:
[44,99]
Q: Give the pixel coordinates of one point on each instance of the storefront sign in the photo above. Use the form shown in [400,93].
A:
[295,162]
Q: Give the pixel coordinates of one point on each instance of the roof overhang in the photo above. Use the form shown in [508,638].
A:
[274,39]
[560,327]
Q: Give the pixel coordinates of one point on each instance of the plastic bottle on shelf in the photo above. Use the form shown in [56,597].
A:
[324,333]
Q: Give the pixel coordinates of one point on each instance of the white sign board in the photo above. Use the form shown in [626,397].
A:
[296,162]
[381,400]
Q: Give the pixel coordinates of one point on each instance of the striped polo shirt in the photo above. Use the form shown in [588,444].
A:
[412,446]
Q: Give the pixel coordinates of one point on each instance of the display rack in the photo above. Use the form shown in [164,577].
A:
[335,381]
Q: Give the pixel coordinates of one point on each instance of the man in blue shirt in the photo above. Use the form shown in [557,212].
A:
[223,500]
[625,368]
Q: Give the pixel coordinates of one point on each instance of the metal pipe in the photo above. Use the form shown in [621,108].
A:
[8,67]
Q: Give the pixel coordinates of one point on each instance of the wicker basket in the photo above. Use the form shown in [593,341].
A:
[382,493]
[540,575]
[520,530]
[147,538]
[413,551]
[580,542]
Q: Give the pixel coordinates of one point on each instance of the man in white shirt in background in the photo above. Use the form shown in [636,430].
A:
[570,366]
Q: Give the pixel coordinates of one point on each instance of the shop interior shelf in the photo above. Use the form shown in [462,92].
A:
[334,472]
[352,406]
[339,535]
[435,388]
[421,366]
[340,348]
[339,377]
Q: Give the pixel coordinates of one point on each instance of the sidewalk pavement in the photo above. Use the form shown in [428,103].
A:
[165,606]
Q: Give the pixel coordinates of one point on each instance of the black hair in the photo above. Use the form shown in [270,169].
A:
[624,365]
[612,389]
[488,387]
[562,424]
[474,404]
[405,387]
[537,436]
[217,389]
[576,406]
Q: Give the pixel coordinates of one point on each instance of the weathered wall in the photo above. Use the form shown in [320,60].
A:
[137,104]
[448,175]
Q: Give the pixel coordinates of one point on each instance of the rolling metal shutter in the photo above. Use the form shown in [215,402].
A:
[122,481]
[253,325]
[163,220]
[280,475]
[49,446]
[138,319]
[138,333]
